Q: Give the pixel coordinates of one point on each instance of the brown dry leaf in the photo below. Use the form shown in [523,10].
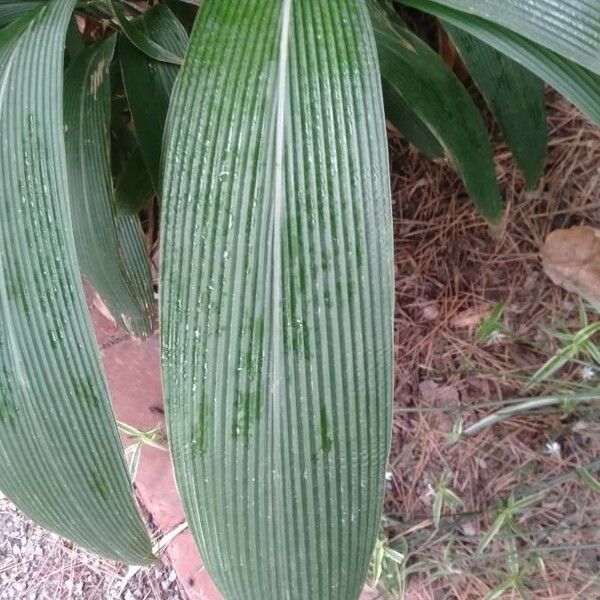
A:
[471,317]
[434,394]
[571,258]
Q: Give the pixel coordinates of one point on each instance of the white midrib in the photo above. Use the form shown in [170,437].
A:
[277,350]
[279,203]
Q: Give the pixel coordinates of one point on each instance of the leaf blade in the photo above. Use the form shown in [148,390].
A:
[11,10]
[577,84]
[434,93]
[93,206]
[64,467]
[515,97]
[303,430]
[403,118]
[148,83]
[134,189]
[141,40]
[570,28]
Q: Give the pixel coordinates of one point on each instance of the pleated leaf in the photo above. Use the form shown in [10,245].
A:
[570,28]
[135,256]
[149,83]
[277,295]
[11,10]
[61,460]
[577,84]
[93,205]
[142,39]
[425,83]
[515,97]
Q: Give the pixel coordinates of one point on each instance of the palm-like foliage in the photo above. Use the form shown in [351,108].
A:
[263,137]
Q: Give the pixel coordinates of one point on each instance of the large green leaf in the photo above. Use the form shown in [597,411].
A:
[514,95]
[580,86]
[149,83]
[61,460]
[571,28]
[93,206]
[277,295]
[11,9]
[420,77]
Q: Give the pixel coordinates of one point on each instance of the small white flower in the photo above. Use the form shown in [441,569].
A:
[496,338]
[588,373]
[553,449]
[389,476]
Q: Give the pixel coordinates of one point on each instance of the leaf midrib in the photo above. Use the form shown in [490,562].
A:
[277,384]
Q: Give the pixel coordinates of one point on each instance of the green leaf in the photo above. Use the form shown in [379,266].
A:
[61,458]
[403,118]
[589,479]
[134,188]
[491,325]
[493,531]
[11,10]
[135,256]
[570,28]
[93,207]
[148,83]
[438,505]
[142,40]
[577,84]
[421,78]
[515,97]
[276,296]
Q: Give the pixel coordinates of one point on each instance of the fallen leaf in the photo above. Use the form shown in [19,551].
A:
[571,258]
[472,317]
[437,395]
